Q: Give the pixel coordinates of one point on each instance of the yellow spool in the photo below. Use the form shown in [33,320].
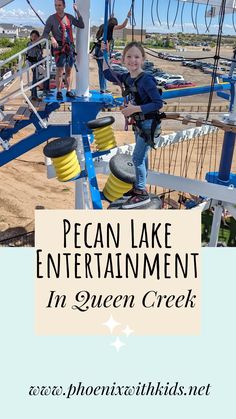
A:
[67,167]
[115,188]
[104,138]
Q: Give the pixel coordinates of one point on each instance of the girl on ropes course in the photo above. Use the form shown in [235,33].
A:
[33,56]
[143,104]
[60,25]
[98,54]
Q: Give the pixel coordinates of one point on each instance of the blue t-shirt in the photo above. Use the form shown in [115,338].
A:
[146,86]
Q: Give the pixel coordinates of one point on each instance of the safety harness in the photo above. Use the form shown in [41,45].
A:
[99,38]
[66,45]
[137,119]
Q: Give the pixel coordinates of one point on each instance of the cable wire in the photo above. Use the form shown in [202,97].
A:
[217,55]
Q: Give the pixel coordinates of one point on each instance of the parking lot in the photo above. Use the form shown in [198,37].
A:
[196,76]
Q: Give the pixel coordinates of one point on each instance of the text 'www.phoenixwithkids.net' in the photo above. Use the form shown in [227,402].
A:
[140,389]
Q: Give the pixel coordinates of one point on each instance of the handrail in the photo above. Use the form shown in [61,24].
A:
[26,70]
[25,50]
[3,3]
[22,71]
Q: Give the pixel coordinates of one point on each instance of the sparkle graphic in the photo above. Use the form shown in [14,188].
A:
[111,324]
[127,331]
[117,344]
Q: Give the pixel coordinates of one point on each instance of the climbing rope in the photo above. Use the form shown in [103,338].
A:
[217,55]
[113,8]
[30,5]
[207,12]
[176,13]
[167,14]
[152,14]
[181,16]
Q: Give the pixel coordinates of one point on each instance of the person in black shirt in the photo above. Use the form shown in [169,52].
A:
[33,56]
[98,54]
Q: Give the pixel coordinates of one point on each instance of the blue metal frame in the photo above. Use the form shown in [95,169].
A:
[198,90]
[93,184]
[106,14]
[224,175]
[224,95]
[7,133]
[32,141]
[84,110]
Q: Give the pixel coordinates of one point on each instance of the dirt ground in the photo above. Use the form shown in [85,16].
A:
[24,184]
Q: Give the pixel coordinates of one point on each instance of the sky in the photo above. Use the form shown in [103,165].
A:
[18,12]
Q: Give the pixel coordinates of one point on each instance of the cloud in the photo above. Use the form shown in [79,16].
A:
[16,15]
[189,28]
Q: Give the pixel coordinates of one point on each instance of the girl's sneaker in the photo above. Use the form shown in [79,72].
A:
[59,96]
[139,198]
[70,94]
[129,194]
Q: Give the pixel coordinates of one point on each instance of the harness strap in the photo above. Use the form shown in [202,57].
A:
[133,89]
[137,120]
[66,28]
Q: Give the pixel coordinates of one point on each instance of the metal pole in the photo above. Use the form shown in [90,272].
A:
[106,14]
[105,29]
[142,21]
[79,184]
[226,157]
[215,228]
[229,137]
[82,49]
[132,19]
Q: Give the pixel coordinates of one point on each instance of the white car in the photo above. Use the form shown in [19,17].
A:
[168,78]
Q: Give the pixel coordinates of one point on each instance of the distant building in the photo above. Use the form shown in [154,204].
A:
[121,34]
[24,31]
[93,31]
[128,34]
[11,31]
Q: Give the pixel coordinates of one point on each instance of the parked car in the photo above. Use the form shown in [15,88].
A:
[148,64]
[175,58]
[154,71]
[119,68]
[162,76]
[118,54]
[116,61]
[179,84]
[168,79]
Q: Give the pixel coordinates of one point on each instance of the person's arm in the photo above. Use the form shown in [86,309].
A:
[124,24]
[108,74]
[47,29]
[79,23]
